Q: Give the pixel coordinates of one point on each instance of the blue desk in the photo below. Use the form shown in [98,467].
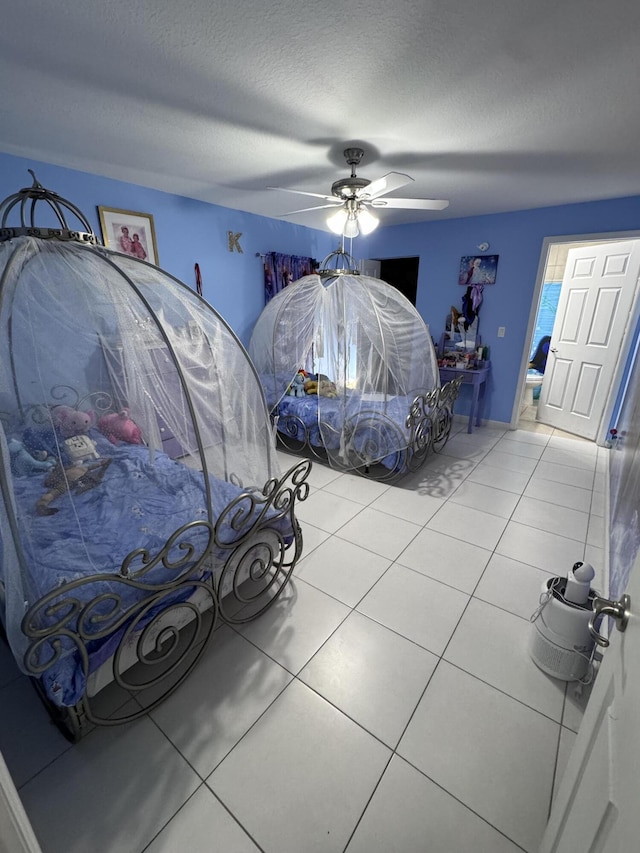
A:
[475,377]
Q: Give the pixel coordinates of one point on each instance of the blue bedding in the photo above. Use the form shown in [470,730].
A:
[139,503]
[376,419]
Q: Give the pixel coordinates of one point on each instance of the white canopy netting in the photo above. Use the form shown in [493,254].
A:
[342,358]
[128,408]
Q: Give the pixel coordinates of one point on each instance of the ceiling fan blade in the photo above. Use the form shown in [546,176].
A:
[410,203]
[306,209]
[385,184]
[302,192]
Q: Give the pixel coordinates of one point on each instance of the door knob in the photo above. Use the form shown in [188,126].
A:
[618,610]
[553,349]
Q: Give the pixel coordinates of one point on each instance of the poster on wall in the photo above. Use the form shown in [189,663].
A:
[130,233]
[478,269]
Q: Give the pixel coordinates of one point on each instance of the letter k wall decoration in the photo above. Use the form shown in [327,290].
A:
[233,241]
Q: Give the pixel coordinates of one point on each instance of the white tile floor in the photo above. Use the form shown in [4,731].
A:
[386,703]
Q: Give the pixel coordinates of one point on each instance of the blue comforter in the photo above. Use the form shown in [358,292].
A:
[355,418]
[139,503]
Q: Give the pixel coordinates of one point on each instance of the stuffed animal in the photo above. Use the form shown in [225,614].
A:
[118,426]
[297,386]
[79,448]
[40,442]
[327,388]
[75,478]
[23,463]
[322,387]
[68,421]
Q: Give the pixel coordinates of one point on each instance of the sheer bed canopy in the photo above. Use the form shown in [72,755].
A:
[350,372]
[139,482]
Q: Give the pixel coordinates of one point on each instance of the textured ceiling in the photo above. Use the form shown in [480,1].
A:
[496,105]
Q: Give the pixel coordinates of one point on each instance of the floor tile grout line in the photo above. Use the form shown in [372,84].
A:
[501,690]
[462,803]
[234,817]
[555,769]
[203,784]
[368,802]
[361,726]
[70,746]
[552,532]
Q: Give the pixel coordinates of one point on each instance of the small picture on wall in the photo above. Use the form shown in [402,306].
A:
[129,233]
[478,269]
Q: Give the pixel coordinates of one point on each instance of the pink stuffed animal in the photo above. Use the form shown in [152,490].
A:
[70,422]
[118,426]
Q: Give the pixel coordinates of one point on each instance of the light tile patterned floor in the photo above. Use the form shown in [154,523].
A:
[386,703]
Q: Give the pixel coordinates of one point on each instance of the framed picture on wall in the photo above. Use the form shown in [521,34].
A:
[129,233]
[478,269]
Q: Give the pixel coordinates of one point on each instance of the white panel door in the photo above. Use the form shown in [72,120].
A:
[597,807]
[598,292]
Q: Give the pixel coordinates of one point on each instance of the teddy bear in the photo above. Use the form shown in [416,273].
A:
[23,463]
[68,421]
[322,387]
[118,426]
[327,388]
[297,386]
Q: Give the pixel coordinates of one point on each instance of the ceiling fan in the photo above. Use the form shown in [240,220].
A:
[353,197]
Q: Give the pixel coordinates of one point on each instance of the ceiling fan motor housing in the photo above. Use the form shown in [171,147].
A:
[347,187]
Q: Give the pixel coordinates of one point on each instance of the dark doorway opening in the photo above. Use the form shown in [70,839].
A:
[401,273]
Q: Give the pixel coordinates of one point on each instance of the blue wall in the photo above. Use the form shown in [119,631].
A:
[517,238]
[187,231]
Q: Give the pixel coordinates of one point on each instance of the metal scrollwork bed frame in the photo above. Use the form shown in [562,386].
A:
[234,575]
[428,425]
[139,623]
[230,570]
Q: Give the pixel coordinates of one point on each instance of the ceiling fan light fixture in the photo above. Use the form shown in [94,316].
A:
[337,220]
[351,226]
[367,221]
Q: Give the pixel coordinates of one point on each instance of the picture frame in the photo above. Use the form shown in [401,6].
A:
[478,269]
[129,233]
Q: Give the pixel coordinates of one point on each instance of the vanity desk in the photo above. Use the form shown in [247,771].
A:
[475,376]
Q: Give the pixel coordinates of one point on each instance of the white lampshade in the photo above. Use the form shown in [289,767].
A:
[351,226]
[367,221]
[337,220]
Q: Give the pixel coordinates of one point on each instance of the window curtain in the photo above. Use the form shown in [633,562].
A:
[280,270]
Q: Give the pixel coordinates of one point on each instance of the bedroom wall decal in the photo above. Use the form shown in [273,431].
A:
[129,232]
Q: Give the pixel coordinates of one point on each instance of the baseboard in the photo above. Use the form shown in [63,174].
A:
[463,420]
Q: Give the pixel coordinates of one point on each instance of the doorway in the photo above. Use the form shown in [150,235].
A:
[551,270]
[402,273]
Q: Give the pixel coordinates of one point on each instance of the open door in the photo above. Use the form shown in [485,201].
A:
[596,807]
[599,290]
